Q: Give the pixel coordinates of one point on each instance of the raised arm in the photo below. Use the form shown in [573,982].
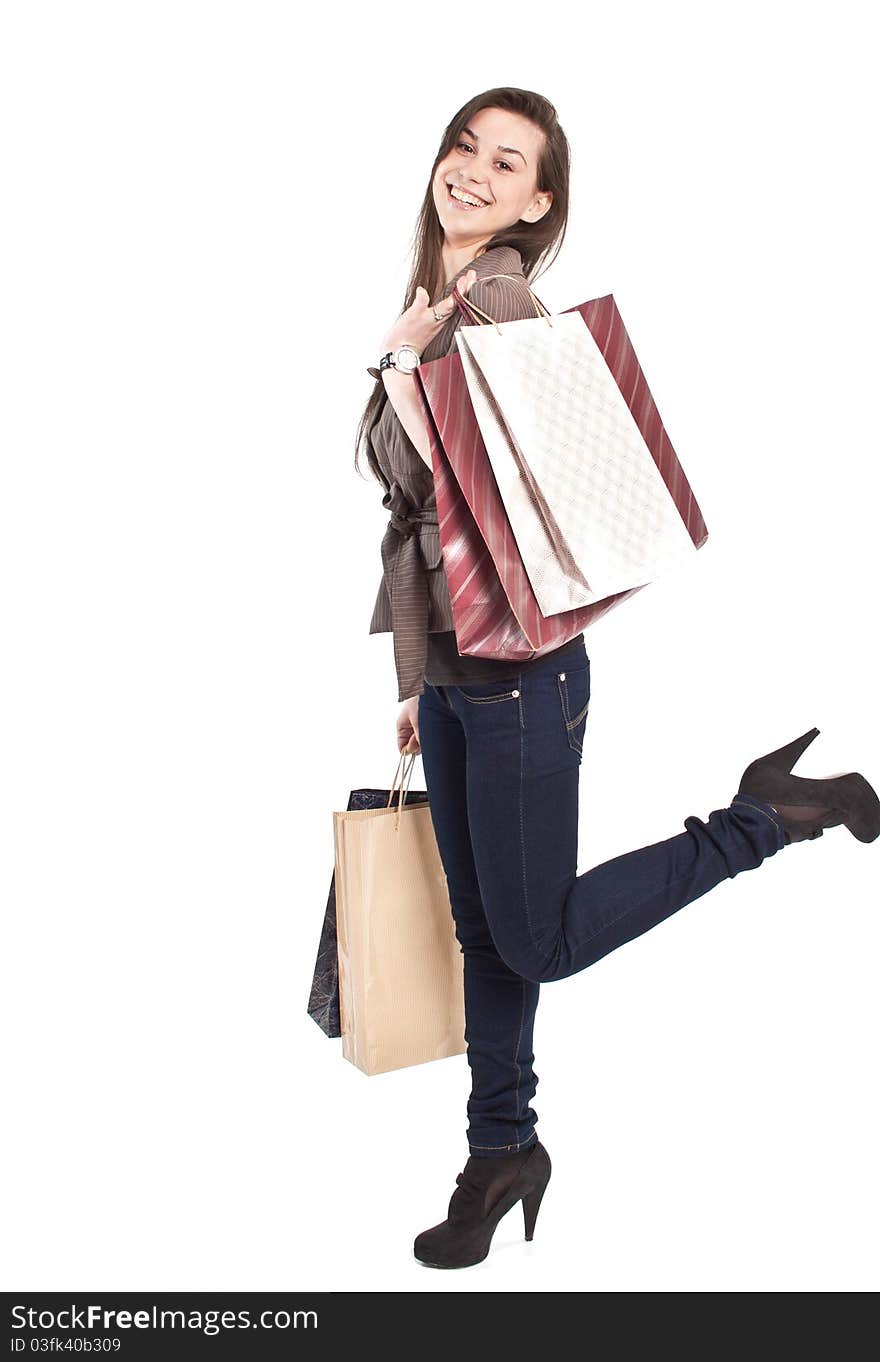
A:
[417,326]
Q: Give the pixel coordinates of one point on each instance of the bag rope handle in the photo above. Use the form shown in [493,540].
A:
[468,307]
[404,784]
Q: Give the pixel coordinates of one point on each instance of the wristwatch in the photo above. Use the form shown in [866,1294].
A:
[406,359]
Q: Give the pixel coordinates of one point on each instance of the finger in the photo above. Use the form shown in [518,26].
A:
[462,284]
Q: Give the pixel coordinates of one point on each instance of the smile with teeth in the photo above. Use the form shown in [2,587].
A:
[466,200]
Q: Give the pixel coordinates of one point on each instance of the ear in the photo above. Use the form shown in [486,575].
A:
[538,207]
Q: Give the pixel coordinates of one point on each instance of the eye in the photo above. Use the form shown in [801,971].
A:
[470,148]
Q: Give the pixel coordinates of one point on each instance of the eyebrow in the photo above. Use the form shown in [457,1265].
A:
[511,150]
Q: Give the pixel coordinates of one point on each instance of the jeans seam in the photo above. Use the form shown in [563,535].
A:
[570,724]
[515,1144]
[587,940]
[573,723]
[563,695]
[522,1017]
[757,808]
[522,837]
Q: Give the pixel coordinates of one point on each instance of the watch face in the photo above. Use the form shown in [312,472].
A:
[407,359]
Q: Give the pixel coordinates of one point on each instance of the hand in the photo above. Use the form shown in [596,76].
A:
[408,726]
[418,326]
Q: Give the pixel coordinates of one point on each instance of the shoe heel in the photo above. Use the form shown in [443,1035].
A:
[785,757]
[530,1204]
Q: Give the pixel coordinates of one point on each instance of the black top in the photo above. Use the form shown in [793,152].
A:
[446,668]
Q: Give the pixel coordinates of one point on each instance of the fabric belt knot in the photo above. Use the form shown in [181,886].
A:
[404,525]
[404,565]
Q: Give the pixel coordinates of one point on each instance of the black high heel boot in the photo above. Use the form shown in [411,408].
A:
[487,1189]
[809,806]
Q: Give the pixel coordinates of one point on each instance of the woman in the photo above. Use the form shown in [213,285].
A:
[502,743]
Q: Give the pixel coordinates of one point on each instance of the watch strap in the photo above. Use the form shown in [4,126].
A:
[386,362]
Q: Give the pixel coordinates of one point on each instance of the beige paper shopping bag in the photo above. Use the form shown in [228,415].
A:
[401,978]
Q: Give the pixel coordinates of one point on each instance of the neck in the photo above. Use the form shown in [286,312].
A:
[455,257]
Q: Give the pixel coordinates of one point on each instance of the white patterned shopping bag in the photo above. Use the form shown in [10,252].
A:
[591,513]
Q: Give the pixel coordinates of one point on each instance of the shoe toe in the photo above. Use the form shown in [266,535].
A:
[428,1246]
[446,1245]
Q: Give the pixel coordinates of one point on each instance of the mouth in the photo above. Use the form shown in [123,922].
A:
[459,203]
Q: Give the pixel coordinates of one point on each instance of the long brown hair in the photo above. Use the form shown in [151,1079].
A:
[533,240]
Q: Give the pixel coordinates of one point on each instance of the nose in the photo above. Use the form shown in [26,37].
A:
[473,180]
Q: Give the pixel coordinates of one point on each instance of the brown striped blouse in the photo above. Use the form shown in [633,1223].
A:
[413,597]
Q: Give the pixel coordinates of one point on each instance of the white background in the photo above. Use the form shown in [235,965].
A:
[209,210]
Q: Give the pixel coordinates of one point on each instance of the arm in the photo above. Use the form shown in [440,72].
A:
[417,326]
[401,390]
[504,299]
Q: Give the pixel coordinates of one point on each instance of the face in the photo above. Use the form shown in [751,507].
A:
[496,162]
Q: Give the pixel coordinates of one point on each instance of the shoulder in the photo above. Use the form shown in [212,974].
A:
[507,299]
[499,259]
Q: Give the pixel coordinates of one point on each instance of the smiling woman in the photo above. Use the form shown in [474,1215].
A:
[502,187]
[502,748]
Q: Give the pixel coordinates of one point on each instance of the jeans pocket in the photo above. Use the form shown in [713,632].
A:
[490,692]
[574,697]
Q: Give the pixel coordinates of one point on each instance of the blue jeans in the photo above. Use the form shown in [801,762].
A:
[502,765]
